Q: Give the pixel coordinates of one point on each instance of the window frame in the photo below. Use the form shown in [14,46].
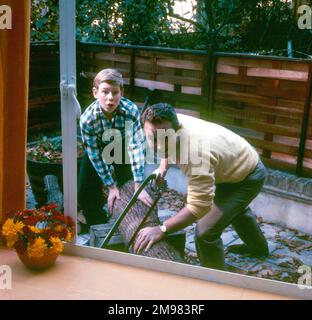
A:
[70,110]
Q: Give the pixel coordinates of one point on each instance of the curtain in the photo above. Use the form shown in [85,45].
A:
[14,71]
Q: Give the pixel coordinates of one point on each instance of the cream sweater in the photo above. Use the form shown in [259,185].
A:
[215,155]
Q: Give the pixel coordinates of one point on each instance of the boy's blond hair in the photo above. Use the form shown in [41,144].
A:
[109,75]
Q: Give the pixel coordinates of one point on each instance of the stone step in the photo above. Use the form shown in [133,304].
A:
[288,185]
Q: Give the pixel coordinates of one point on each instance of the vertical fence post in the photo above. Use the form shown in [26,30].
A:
[205,92]
[212,85]
[132,73]
[305,123]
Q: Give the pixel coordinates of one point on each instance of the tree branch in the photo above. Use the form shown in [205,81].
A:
[194,23]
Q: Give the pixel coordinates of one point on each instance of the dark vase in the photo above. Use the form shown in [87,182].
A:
[37,170]
[44,262]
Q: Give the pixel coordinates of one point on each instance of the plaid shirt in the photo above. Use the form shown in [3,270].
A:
[94,125]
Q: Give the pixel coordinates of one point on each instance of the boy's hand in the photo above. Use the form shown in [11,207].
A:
[113,194]
[144,196]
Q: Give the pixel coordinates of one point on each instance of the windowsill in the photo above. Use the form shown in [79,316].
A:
[75,277]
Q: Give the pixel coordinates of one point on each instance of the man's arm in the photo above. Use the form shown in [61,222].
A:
[199,202]
[179,221]
[148,236]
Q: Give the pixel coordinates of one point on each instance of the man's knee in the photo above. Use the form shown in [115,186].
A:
[209,236]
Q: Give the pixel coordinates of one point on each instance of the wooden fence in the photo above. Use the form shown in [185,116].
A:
[44,94]
[265,99]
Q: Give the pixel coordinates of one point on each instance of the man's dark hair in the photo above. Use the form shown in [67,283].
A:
[160,112]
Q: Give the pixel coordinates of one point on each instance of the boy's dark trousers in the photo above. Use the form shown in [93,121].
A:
[90,189]
[233,200]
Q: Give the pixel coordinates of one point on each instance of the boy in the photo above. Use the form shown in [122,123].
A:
[110,112]
[220,186]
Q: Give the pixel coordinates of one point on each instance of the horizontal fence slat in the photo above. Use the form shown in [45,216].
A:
[112,57]
[267,63]
[259,115]
[153,84]
[45,99]
[262,88]
[278,74]
[179,64]
[308,153]
[257,99]
[278,164]
[273,146]
[262,109]
[260,127]
[172,79]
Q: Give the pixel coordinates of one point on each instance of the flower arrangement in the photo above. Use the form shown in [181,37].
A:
[37,232]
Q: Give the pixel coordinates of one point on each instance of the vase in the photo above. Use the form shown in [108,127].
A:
[37,170]
[38,263]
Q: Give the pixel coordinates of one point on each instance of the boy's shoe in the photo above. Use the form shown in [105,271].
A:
[106,212]
[238,249]
[83,228]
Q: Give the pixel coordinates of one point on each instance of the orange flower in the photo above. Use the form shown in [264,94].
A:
[57,245]
[37,249]
[10,231]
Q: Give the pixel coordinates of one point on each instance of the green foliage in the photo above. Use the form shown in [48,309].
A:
[44,20]
[97,21]
[257,26]
[244,24]
[142,22]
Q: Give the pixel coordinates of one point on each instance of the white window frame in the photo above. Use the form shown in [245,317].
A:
[70,111]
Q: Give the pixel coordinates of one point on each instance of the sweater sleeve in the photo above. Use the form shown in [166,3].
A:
[200,194]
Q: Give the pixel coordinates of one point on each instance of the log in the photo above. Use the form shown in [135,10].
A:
[132,221]
[54,194]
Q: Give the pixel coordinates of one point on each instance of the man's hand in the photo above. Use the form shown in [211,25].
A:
[113,194]
[144,196]
[161,173]
[146,238]
[162,169]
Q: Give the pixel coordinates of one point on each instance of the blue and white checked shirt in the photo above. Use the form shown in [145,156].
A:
[93,124]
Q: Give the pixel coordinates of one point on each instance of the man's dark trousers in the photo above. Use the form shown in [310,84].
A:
[233,200]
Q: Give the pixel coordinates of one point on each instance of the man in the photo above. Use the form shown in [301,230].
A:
[221,185]
[107,115]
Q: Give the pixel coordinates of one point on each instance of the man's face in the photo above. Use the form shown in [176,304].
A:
[161,138]
[108,96]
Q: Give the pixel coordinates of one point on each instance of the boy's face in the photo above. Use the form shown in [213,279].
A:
[108,96]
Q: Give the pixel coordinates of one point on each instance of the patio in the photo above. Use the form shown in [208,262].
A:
[289,248]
